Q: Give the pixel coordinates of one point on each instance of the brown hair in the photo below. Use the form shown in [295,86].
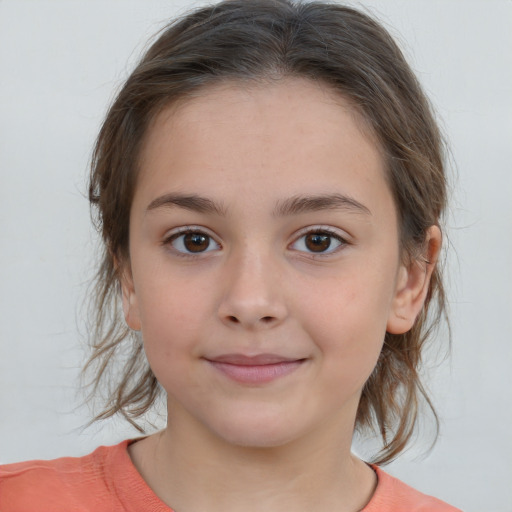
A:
[266,40]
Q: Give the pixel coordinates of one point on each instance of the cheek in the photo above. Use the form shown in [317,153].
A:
[353,303]
[171,315]
[352,353]
[347,322]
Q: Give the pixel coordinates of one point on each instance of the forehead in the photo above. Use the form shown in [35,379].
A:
[292,132]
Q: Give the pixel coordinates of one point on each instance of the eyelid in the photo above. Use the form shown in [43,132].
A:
[174,234]
[337,234]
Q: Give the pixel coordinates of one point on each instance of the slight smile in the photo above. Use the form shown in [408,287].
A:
[259,369]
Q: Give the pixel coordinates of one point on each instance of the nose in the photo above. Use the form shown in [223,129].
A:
[253,298]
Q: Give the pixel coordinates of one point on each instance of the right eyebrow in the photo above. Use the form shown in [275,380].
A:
[191,202]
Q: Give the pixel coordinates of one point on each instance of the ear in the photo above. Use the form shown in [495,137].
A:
[130,304]
[412,285]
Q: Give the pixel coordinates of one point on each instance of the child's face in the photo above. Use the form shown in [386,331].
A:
[265,262]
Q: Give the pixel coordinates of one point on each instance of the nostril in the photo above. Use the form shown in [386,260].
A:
[267,319]
[233,319]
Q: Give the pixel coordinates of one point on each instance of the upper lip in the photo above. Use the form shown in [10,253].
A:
[256,360]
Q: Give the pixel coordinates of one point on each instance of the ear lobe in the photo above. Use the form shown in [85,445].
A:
[129,297]
[413,284]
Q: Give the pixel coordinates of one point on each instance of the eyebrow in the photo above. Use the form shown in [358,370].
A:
[292,206]
[304,204]
[191,202]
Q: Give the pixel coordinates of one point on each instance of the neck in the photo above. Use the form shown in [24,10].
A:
[192,472]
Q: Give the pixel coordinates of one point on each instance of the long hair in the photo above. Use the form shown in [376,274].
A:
[259,40]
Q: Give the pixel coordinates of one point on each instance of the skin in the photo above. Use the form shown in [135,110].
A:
[259,285]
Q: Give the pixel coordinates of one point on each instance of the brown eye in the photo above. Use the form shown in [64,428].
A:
[321,242]
[196,242]
[193,242]
[317,242]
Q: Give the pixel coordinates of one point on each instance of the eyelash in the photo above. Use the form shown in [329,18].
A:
[322,231]
[173,237]
[325,231]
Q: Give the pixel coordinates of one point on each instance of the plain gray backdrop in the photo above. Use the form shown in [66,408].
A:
[60,64]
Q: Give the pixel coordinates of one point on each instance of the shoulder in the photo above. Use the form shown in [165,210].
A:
[69,483]
[392,495]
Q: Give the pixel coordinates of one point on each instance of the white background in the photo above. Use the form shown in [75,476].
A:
[60,63]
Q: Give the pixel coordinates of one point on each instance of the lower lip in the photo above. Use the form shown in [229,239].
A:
[257,374]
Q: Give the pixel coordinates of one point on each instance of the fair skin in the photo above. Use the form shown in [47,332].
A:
[264,271]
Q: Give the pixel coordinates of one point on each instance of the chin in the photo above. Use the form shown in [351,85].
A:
[262,431]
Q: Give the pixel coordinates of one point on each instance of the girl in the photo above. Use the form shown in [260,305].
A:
[269,185]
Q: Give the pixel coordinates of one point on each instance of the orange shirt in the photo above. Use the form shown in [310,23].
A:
[107,481]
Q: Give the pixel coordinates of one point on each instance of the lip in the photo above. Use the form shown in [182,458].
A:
[257,369]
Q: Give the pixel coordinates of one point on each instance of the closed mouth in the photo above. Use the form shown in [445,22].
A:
[256,360]
[259,369]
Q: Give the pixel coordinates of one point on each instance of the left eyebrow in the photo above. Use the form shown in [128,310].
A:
[304,204]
